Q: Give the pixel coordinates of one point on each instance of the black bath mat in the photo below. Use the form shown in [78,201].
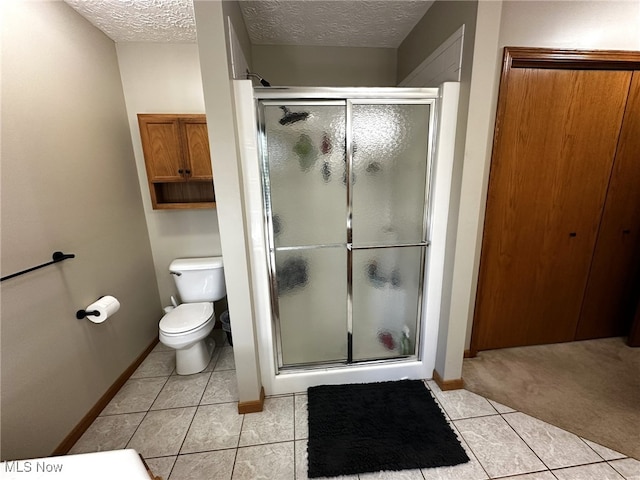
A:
[370,427]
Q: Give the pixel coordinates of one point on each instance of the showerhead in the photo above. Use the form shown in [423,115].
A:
[292,117]
[263,82]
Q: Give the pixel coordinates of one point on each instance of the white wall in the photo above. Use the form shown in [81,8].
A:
[221,119]
[165,78]
[69,184]
[295,65]
[571,25]
[602,25]
[440,22]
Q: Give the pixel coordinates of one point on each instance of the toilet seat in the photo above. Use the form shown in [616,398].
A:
[186,318]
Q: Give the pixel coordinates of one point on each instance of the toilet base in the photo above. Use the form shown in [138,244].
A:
[195,358]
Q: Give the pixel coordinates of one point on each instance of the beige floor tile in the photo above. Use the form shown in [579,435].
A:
[597,471]
[500,407]
[182,391]
[546,475]
[557,448]
[222,388]
[226,360]
[604,452]
[265,462]
[207,435]
[161,347]
[273,424]
[112,432]
[157,364]
[161,466]
[302,416]
[136,395]
[214,359]
[500,451]
[629,468]
[433,386]
[464,404]
[216,465]
[214,427]
[162,432]
[472,470]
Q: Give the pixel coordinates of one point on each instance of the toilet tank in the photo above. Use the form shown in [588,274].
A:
[199,279]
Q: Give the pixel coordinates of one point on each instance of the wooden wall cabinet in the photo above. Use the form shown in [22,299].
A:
[178,160]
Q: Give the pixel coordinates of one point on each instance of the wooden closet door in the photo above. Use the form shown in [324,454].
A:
[555,140]
[609,305]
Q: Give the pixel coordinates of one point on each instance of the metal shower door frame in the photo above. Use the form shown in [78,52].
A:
[347,97]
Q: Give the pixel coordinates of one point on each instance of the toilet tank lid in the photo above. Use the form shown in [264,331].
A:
[200,263]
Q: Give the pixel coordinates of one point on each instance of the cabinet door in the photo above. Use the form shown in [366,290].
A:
[197,148]
[162,148]
[556,136]
[609,304]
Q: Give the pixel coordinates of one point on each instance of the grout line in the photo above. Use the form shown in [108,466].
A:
[241,427]
[294,440]
[459,434]
[175,460]
[205,388]
[136,429]
[615,469]
[585,442]
[585,465]
[525,442]
[476,416]
[589,447]
[294,430]
[147,411]
[186,433]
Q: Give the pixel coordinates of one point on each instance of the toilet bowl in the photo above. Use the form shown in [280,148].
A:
[186,328]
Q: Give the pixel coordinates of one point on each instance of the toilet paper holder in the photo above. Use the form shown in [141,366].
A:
[80,314]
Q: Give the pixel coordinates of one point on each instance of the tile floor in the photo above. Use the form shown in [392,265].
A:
[188,428]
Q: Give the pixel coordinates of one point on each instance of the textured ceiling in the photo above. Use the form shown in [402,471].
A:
[355,23]
[141,20]
[332,23]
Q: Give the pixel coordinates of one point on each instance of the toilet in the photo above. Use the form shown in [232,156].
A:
[200,282]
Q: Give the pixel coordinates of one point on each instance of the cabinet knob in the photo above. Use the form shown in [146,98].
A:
[572,234]
[180,171]
[188,172]
[626,231]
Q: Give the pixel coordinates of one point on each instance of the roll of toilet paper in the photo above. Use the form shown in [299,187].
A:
[105,306]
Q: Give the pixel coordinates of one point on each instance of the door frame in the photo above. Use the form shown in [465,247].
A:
[545,58]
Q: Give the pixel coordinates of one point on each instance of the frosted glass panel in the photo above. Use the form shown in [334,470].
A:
[389,173]
[385,299]
[312,299]
[305,147]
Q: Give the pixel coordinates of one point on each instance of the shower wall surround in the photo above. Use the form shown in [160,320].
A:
[347,203]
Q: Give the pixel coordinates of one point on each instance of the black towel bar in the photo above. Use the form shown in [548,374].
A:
[56,257]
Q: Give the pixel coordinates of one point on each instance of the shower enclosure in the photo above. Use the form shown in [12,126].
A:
[345,183]
[342,208]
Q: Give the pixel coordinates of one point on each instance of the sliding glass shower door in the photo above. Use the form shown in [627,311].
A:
[345,187]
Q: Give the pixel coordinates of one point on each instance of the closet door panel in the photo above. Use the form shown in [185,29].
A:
[609,304]
[556,135]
